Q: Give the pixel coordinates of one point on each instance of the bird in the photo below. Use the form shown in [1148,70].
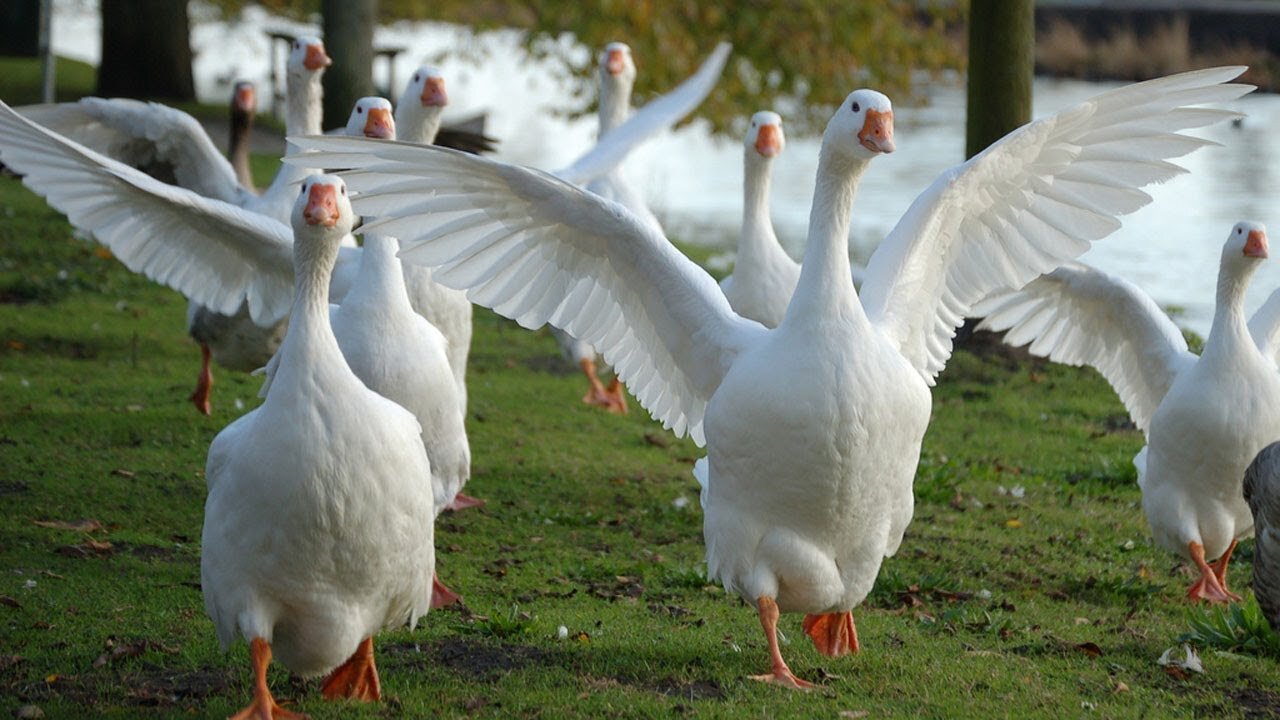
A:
[620,130]
[764,275]
[401,355]
[418,117]
[244,103]
[1204,418]
[318,530]
[1262,493]
[812,429]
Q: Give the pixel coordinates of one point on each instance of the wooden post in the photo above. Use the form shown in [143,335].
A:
[1002,38]
[348,38]
[146,50]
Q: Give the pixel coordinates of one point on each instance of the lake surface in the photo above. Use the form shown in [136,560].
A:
[693,180]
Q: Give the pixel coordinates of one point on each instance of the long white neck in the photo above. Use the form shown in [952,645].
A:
[309,345]
[615,103]
[1230,328]
[757,226]
[417,124]
[303,108]
[381,277]
[826,286]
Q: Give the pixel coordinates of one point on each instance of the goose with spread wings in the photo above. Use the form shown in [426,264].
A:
[812,429]
[1204,418]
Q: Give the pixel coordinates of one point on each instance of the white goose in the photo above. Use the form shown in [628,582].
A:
[400,355]
[1204,418]
[244,104]
[600,170]
[318,528]
[1262,493]
[418,118]
[764,275]
[812,429]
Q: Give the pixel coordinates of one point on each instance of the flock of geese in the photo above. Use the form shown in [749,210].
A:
[811,396]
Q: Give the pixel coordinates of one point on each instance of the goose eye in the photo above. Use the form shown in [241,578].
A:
[359,110]
[304,190]
[344,189]
[1239,230]
[856,106]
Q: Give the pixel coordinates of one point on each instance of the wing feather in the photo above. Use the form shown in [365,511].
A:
[1078,315]
[1031,201]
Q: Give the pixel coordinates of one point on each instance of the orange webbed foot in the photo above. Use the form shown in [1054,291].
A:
[1210,588]
[784,677]
[357,678]
[615,398]
[264,706]
[442,596]
[833,634]
[462,502]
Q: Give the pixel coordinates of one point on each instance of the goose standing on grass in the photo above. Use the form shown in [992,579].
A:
[1204,418]
[400,355]
[318,528]
[1262,493]
[812,429]
[764,275]
[418,116]
[244,103]
[600,170]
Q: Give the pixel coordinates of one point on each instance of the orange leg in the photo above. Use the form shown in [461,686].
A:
[833,634]
[1220,568]
[781,674]
[357,678]
[204,382]
[596,394]
[462,502]
[441,595]
[1208,588]
[616,397]
[264,706]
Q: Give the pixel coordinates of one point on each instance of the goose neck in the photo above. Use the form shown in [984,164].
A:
[1229,323]
[615,104]
[825,280]
[417,124]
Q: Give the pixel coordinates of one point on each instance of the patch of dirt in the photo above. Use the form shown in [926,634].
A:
[1256,704]
[472,660]
[151,686]
[695,690]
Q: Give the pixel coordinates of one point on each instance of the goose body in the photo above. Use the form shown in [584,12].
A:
[824,482]
[1262,493]
[1204,418]
[318,527]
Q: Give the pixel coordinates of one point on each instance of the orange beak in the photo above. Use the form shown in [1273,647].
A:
[769,141]
[316,58]
[433,94]
[1255,246]
[877,132]
[246,100]
[615,62]
[322,205]
[379,124]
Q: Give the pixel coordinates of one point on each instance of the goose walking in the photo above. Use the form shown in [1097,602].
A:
[1204,418]
[318,528]
[812,429]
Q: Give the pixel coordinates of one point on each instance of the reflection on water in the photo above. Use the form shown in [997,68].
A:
[693,181]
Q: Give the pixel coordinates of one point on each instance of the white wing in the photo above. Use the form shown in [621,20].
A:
[1024,205]
[214,253]
[1078,315]
[540,250]
[157,139]
[657,115]
[1264,326]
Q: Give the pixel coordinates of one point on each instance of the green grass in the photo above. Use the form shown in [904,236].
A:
[1052,604]
[20,79]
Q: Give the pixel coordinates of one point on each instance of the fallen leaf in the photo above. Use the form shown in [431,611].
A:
[1121,688]
[121,472]
[88,548]
[1013,523]
[10,602]
[1090,649]
[87,525]
[103,252]
[16,345]
[657,440]
[854,713]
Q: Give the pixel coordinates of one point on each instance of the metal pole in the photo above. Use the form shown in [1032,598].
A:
[47,67]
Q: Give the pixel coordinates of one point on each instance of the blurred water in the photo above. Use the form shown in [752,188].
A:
[693,180]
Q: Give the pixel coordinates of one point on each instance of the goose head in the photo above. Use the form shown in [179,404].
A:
[323,209]
[616,66]
[1245,246]
[862,127]
[764,136]
[425,88]
[371,117]
[307,57]
[244,98]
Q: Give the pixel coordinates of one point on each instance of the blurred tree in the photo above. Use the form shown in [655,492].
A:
[1002,41]
[799,57]
[348,38]
[146,50]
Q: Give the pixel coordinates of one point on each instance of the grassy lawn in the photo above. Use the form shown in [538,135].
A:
[1027,585]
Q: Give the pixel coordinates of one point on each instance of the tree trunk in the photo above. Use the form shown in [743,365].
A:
[1002,37]
[146,50]
[348,38]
